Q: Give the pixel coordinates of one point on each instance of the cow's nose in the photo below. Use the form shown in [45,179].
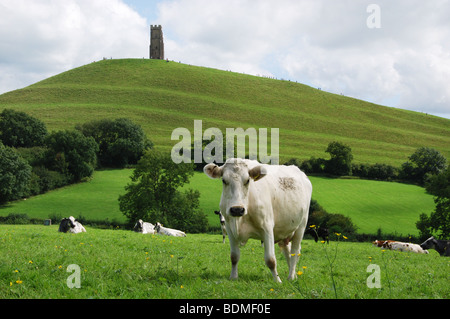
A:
[237,211]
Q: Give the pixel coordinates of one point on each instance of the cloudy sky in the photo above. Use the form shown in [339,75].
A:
[391,52]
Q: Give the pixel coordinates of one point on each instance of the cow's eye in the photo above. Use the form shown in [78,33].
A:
[224,182]
[248,181]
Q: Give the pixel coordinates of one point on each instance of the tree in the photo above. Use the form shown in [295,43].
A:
[72,154]
[423,162]
[18,129]
[438,223]
[15,174]
[154,194]
[439,185]
[340,162]
[121,142]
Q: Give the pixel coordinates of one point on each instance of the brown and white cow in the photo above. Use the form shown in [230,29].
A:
[265,202]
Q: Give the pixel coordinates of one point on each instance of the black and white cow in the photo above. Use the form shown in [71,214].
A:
[144,227]
[71,225]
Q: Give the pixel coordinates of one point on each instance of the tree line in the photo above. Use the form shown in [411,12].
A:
[426,167]
[34,161]
[420,166]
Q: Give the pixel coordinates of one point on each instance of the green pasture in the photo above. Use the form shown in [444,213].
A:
[123,264]
[393,207]
[162,96]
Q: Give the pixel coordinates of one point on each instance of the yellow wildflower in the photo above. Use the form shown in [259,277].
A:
[181,286]
[171,256]
[312,226]
[30,262]
[18,281]
[271,289]
[344,237]
[322,241]
[304,267]
[299,273]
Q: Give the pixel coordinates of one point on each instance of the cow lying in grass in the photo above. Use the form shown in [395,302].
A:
[441,246]
[144,227]
[71,225]
[400,246]
[168,231]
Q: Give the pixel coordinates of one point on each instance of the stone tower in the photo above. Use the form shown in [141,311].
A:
[156,42]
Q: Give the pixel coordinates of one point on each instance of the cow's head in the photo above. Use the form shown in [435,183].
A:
[72,221]
[236,179]
[157,227]
[429,243]
[139,226]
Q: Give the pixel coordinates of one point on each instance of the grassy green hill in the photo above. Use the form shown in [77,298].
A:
[392,207]
[161,96]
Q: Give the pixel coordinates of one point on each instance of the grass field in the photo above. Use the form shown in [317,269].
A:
[162,96]
[393,207]
[123,264]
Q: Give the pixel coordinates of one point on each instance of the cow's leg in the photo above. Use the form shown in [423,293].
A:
[286,250]
[235,255]
[295,253]
[269,255]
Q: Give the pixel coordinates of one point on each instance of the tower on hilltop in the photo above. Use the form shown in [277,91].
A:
[156,42]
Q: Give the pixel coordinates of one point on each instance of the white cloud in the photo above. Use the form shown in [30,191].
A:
[42,38]
[322,43]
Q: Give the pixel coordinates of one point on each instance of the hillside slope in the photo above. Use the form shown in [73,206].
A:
[162,96]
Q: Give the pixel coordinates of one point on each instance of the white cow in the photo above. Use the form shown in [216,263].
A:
[144,227]
[168,231]
[400,246]
[265,202]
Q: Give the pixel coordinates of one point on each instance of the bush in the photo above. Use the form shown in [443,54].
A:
[35,156]
[15,175]
[336,223]
[18,129]
[424,161]
[19,219]
[121,142]
[71,154]
[47,180]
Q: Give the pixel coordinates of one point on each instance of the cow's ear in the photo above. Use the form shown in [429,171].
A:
[257,173]
[212,170]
